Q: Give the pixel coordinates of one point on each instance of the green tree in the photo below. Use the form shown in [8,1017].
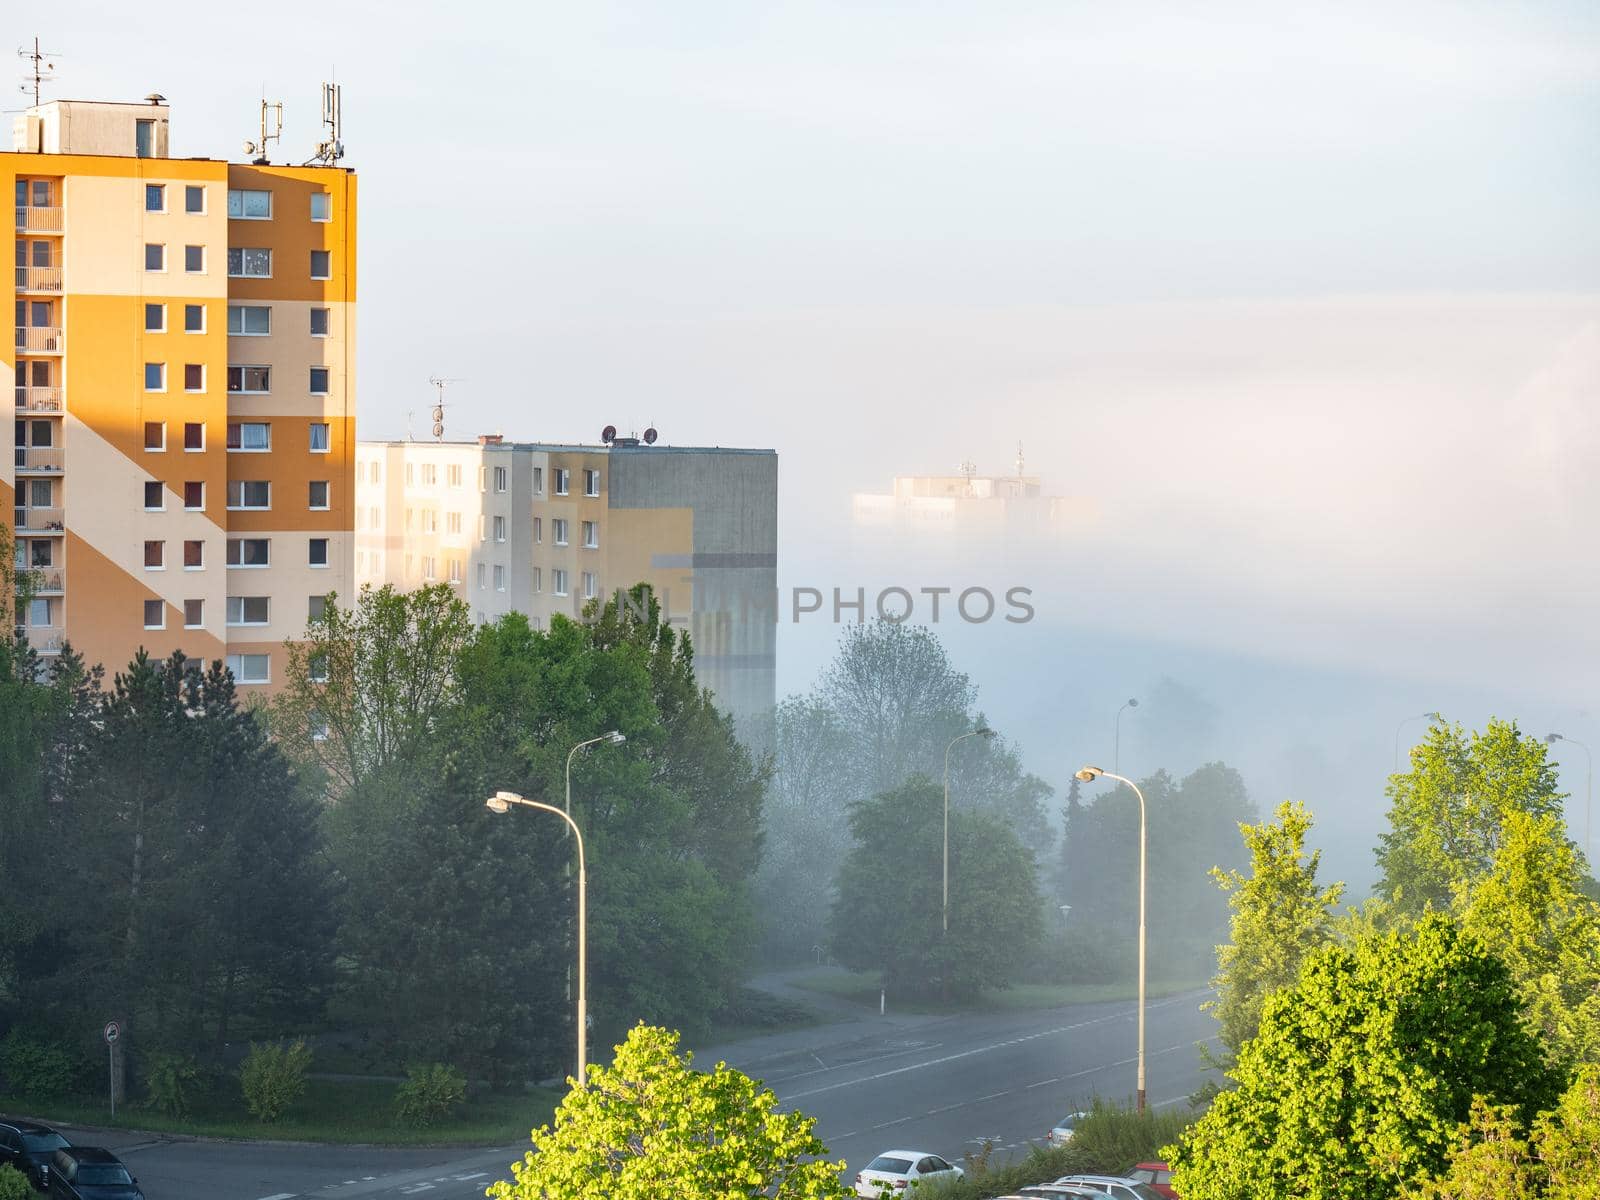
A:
[1279,916]
[887,914]
[650,1126]
[1569,1138]
[1530,909]
[1361,1073]
[1446,812]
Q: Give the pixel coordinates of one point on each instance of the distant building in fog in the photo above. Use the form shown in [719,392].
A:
[968,503]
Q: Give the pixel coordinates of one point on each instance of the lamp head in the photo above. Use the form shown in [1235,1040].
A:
[1090,774]
[496,805]
[984,731]
[1550,739]
[1434,716]
[615,737]
[1132,703]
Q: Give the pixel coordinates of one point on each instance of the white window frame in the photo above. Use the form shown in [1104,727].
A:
[204,259]
[242,622]
[558,582]
[327,553]
[591,535]
[161,606]
[145,432]
[242,390]
[161,310]
[162,269]
[241,273]
[199,308]
[327,380]
[591,585]
[201,507]
[160,189]
[189,189]
[327,207]
[236,548]
[499,529]
[499,577]
[235,664]
[162,368]
[312,265]
[558,530]
[161,551]
[327,437]
[201,623]
[502,479]
[563,481]
[242,506]
[241,193]
[241,448]
[161,491]
[242,309]
[201,448]
[327,321]
[591,482]
[327,495]
[201,565]
[194,391]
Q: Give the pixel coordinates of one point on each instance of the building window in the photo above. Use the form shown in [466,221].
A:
[155,496]
[483,528]
[155,377]
[253,380]
[558,582]
[452,475]
[483,479]
[538,530]
[249,262]
[194,435]
[194,377]
[321,206]
[319,381]
[250,320]
[319,437]
[430,521]
[452,522]
[591,482]
[194,495]
[483,575]
[155,614]
[591,585]
[538,480]
[500,479]
[250,668]
[319,322]
[249,436]
[430,474]
[247,205]
[455,570]
[194,614]
[249,494]
[499,578]
[248,610]
[319,552]
[538,580]
[427,567]
[319,494]
[155,256]
[194,198]
[249,552]
[317,664]
[155,197]
[561,481]
[194,555]
[499,529]
[194,318]
[155,435]
[558,530]
[155,556]
[194,260]
[321,264]
[155,318]
[591,535]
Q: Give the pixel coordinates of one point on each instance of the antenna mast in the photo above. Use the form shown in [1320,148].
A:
[331,149]
[40,68]
[272,110]
[439,382]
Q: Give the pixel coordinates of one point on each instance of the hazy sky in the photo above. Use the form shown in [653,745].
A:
[1305,296]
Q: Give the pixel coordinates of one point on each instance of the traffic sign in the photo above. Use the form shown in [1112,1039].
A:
[113,1032]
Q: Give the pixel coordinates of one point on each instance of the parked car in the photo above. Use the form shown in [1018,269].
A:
[29,1148]
[895,1170]
[1158,1175]
[1061,1132]
[91,1173]
[1051,1191]
[1117,1187]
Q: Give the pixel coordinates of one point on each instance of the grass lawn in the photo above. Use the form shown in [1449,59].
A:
[330,1111]
[862,988]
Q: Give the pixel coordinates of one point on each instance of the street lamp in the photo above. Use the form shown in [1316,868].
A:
[613,737]
[501,802]
[1116,735]
[1427,716]
[1588,783]
[1089,775]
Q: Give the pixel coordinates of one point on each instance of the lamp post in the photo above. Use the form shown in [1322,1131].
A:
[501,802]
[1588,782]
[613,736]
[1089,775]
[1427,716]
[1116,734]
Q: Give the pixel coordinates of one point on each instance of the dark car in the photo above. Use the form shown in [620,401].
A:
[29,1148]
[90,1173]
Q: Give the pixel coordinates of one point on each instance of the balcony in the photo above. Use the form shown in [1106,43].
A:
[32,522]
[45,639]
[39,279]
[39,220]
[45,581]
[39,339]
[39,399]
[39,460]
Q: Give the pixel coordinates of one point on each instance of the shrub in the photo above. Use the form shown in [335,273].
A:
[1115,1137]
[35,1065]
[273,1077]
[172,1081]
[982,1181]
[14,1184]
[430,1094]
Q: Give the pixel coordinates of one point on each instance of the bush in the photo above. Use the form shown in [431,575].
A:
[1081,953]
[35,1065]
[1115,1137]
[14,1184]
[754,1009]
[273,1077]
[430,1094]
[171,1082]
[982,1181]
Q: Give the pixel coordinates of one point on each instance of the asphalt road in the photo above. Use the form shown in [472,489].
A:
[942,1084]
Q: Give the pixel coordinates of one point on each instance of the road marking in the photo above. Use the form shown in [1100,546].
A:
[474,1175]
[991,1096]
[889,1124]
[1042,1083]
[947,1108]
[281,1196]
[421,1187]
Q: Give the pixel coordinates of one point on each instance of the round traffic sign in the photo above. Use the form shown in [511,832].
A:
[113,1031]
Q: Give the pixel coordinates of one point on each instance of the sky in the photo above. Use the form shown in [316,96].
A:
[1303,298]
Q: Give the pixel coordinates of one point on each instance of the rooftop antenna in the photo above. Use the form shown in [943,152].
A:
[968,469]
[439,382]
[270,111]
[331,149]
[1019,460]
[40,69]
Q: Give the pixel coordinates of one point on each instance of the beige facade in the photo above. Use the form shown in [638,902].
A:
[968,503]
[543,529]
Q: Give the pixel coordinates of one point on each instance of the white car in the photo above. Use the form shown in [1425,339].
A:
[1114,1186]
[1061,1133]
[893,1171]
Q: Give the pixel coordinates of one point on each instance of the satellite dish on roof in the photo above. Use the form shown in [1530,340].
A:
[608,434]
[650,436]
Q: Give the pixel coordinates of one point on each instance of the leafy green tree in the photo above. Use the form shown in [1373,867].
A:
[1547,932]
[1569,1138]
[1361,1072]
[650,1126]
[1279,916]
[887,914]
[1446,812]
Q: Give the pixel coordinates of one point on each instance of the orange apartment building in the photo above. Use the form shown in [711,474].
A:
[185,398]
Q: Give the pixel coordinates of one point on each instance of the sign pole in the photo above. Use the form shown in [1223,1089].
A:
[112,1032]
